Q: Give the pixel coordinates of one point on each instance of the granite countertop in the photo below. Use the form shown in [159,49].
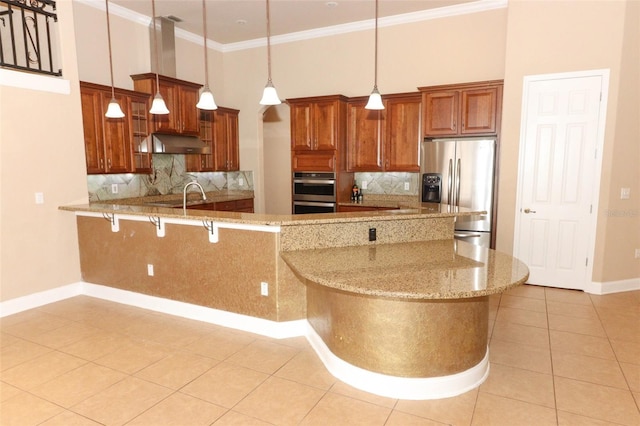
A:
[441,269]
[426,210]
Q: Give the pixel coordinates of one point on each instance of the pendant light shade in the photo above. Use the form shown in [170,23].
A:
[269,96]
[158,107]
[206,97]
[113,110]
[375,100]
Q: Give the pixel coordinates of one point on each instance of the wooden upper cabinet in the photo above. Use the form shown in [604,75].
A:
[317,124]
[107,140]
[385,140]
[364,137]
[226,140]
[462,109]
[180,97]
[219,130]
[402,134]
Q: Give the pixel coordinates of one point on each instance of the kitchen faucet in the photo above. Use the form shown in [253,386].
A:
[184,195]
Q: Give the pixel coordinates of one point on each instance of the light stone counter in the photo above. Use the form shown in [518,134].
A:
[440,269]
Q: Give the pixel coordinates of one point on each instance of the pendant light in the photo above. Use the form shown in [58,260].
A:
[269,96]
[158,106]
[206,97]
[375,100]
[113,110]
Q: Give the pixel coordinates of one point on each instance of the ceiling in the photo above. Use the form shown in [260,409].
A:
[233,21]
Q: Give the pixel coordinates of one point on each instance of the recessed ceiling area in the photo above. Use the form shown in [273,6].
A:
[233,21]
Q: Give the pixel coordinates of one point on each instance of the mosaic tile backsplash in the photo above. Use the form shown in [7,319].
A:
[389,183]
[169,177]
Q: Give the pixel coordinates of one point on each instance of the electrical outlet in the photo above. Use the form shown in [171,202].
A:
[625,193]
[364,184]
[241,182]
[406,186]
[264,289]
[114,188]
[39,198]
[637,253]
[150,270]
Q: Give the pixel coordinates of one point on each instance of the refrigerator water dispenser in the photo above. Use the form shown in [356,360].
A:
[431,187]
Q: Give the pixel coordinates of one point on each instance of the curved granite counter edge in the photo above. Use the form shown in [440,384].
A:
[427,211]
[389,271]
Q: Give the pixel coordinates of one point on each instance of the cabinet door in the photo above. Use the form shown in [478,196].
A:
[402,134]
[117,140]
[301,126]
[479,110]
[325,125]
[364,139]
[92,125]
[168,122]
[225,135]
[441,113]
[139,131]
[203,162]
[314,162]
[188,112]
[233,142]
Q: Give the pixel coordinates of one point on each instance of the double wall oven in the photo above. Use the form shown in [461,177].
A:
[314,192]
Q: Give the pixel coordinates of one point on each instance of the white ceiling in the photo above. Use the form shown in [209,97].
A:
[287,16]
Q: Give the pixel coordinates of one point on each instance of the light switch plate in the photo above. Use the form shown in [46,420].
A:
[39,198]
[114,188]
[364,184]
[406,186]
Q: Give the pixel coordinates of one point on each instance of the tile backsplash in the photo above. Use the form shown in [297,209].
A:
[169,177]
[389,183]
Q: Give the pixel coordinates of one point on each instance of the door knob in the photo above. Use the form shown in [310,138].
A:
[529,211]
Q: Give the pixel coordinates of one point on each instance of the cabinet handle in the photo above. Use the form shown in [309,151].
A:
[101,163]
[109,163]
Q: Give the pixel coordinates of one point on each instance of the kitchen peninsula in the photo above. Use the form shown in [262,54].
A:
[403,316]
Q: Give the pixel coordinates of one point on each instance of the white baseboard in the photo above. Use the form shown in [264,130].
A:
[34,300]
[274,329]
[610,287]
[399,387]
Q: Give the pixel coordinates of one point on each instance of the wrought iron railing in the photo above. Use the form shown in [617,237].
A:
[28,36]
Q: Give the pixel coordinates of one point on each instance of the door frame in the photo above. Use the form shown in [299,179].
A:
[589,285]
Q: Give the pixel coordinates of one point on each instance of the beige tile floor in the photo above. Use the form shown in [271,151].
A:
[558,357]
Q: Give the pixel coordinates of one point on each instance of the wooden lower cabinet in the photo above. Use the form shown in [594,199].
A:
[359,208]
[244,205]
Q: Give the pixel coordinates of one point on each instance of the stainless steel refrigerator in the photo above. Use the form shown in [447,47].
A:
[460,172]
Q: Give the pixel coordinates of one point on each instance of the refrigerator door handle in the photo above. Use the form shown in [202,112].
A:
[458,184]
[466,234]
[450,184]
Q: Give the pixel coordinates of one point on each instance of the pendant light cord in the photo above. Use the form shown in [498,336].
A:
[155,42]
[109,39]
[375,65]
[206,61]
[268,43]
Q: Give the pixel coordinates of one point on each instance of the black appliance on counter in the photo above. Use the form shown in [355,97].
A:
[314,192]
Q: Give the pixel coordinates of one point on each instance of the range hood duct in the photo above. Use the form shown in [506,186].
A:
[178,144]
[165,36]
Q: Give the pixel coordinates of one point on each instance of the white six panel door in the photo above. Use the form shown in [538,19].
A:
[560,139]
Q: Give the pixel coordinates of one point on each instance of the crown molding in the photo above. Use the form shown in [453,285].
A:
[425,15]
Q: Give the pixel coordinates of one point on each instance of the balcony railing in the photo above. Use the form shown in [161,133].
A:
[28,37]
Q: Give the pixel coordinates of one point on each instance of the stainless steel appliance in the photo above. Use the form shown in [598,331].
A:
[314,192]
[460,172]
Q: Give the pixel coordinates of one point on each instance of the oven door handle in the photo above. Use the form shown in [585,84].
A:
[316,181]
[313,204]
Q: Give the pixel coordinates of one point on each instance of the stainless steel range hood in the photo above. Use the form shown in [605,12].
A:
[178,144]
